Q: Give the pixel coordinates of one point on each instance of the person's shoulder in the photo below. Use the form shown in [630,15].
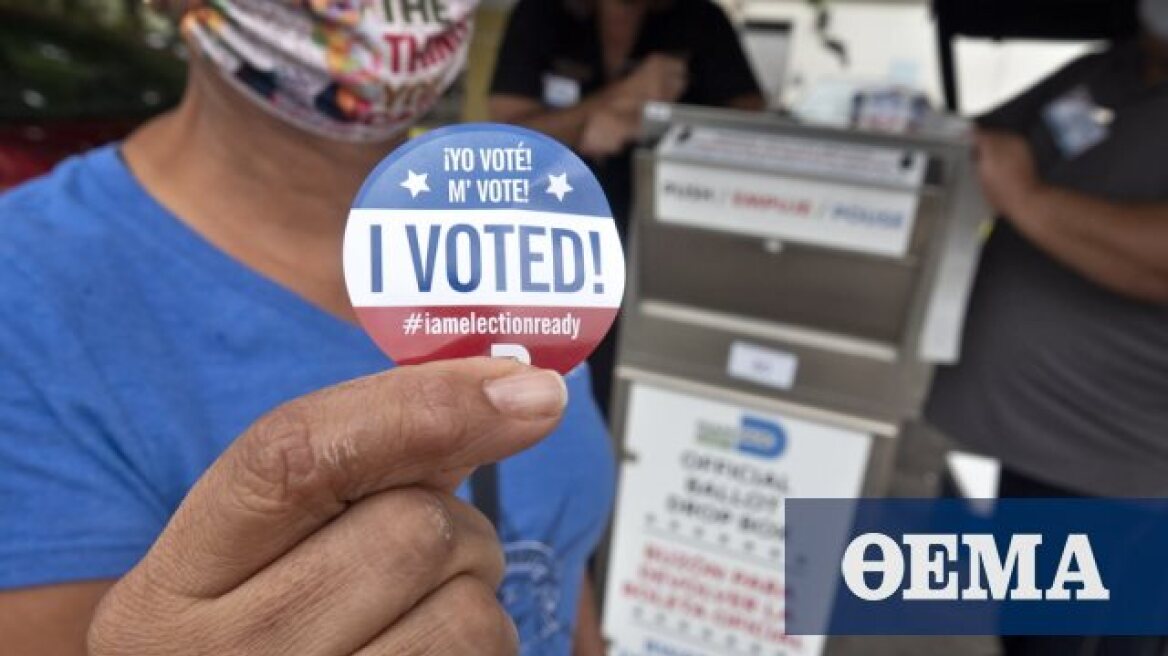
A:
[1083,65]
[1125,49]
[703,22]
[700,11]
[33,236]
[1018,113]
[54,223]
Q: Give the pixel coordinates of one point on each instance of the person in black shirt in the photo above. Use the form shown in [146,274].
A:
[1064,368]
[582,71]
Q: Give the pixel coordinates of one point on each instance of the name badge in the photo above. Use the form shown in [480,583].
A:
[1077,122]
[560,91]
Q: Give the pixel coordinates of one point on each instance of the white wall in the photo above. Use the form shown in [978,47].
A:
[897,39]
[991,73]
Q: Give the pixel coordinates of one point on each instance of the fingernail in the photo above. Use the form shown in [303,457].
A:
[532,394]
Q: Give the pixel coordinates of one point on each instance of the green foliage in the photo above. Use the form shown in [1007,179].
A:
[67,59]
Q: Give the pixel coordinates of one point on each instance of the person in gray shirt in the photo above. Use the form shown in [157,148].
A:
[1064,367]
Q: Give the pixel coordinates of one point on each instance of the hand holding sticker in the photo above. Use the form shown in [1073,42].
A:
[484,239]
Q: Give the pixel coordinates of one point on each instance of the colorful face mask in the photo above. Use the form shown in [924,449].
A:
[356,70]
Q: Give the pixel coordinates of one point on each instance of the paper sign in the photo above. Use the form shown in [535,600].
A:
[698,546]
[839,216]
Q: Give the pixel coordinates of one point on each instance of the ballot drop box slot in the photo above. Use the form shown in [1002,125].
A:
[790,290]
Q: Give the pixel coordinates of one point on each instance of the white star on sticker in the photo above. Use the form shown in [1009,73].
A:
[558,185]
[416,183]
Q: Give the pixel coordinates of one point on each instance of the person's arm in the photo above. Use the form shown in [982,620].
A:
[589,641]
[75,510]
[517,85]
[566,125]
[601,123]
[50,620]
[753,102]
[1120,246]
[605,121]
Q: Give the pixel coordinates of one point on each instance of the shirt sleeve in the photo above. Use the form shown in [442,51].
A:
[72,504]
[719,71]
[1020,112]
[524,51]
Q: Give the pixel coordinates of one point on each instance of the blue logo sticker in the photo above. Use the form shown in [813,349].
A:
[754,436]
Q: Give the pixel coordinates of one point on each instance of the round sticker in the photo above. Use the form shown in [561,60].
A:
[484,239]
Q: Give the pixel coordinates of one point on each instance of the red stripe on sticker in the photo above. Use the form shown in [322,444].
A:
[553,337]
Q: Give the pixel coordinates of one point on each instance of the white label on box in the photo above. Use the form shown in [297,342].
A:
[839,216]
[698,548]
[762,365]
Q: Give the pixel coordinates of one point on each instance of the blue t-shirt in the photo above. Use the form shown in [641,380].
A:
[132,352]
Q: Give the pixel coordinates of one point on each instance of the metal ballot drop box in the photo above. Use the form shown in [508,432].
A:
[790,289]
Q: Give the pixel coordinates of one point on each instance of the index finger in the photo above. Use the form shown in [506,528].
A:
[300,466]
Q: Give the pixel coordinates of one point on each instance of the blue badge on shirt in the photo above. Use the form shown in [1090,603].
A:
[1077,122]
